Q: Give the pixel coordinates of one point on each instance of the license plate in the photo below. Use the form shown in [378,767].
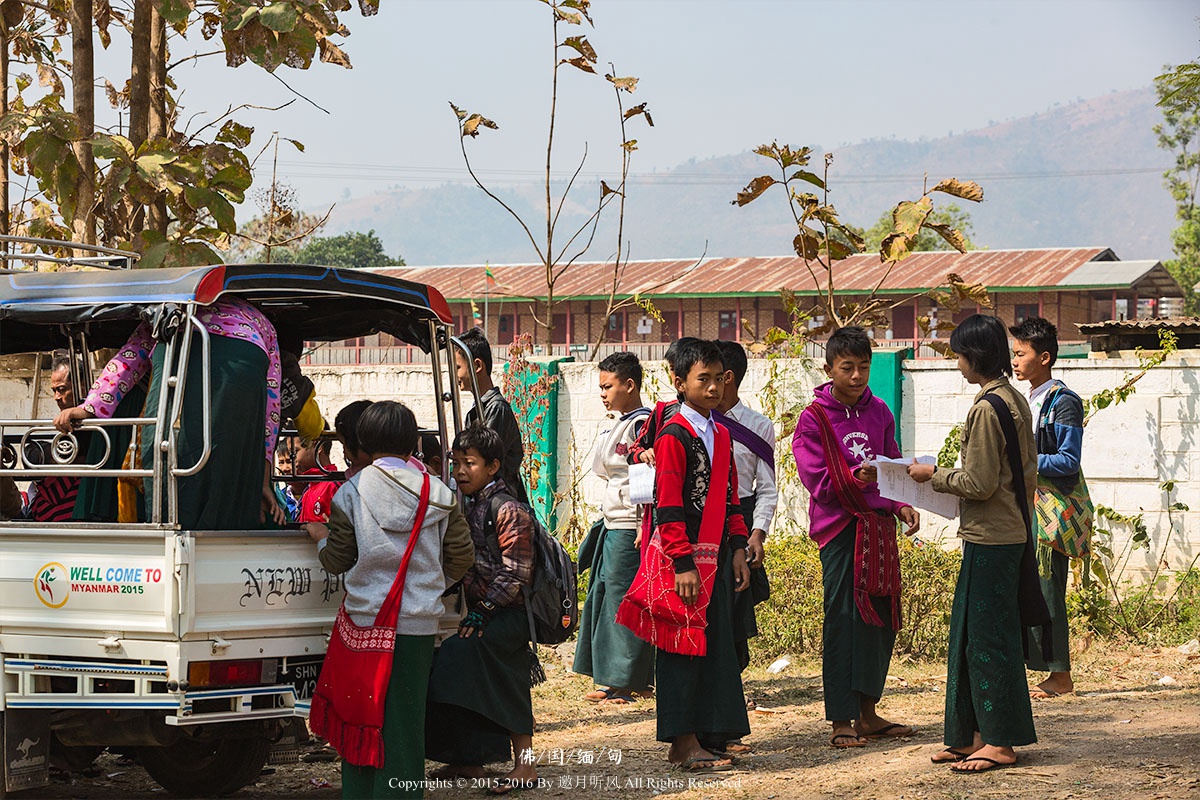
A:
[302,673]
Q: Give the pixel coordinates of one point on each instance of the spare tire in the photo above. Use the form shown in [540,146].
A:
[205,767]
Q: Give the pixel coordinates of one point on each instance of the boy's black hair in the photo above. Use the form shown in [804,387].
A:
[695,351]
[388,427]
[849,341]
[673,351]
[733,356]
[477,343]
[625,366]
[982,340]
[431,447]
[481,439]
[1040,333]
[346,423]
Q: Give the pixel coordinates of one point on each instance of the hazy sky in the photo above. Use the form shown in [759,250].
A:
[720,76]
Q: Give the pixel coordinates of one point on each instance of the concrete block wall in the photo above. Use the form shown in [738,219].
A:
[1129,449]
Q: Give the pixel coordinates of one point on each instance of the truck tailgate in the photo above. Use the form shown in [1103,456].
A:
[87,579]
[261,583]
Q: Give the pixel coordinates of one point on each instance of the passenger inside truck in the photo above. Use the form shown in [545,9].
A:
[233,490]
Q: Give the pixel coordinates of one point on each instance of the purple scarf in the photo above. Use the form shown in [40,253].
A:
[753,442]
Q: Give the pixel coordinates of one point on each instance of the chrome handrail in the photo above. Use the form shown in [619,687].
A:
[128,256]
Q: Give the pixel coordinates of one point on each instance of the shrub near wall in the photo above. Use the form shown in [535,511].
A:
[791,620]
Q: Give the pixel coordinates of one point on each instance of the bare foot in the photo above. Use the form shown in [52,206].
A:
[987,757]
[953,754]
[1059,683]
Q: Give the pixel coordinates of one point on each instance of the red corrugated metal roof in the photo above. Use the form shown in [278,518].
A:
[995,269]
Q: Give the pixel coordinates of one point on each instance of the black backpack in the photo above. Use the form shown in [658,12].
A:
[552,602]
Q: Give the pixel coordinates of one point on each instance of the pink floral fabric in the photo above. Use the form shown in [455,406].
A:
[229,317]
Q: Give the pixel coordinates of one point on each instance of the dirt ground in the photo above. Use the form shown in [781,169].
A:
[1123,734]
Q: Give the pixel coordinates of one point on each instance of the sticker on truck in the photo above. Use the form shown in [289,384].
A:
[55,582]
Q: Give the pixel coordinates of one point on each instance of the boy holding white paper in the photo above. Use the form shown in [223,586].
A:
[621,663]
[843,429]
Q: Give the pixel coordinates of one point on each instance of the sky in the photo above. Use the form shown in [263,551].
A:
[719,77]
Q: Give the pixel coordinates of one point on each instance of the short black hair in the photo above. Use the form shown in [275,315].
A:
[733,356]
[1040,333]
[346,423]
[60,360]
[673,351]
[695,351]
[388,427]
[625,366]
[431,447]
[848,341]
[477,343]
[982,340]
[481,439]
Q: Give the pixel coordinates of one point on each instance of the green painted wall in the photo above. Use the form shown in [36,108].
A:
[886,380]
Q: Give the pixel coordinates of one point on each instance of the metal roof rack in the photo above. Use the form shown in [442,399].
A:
[106,258]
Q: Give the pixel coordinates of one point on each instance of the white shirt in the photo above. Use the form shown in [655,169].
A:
[1037,396]
[701,424]
[755,476]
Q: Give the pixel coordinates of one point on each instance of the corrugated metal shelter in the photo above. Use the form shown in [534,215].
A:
[739,298]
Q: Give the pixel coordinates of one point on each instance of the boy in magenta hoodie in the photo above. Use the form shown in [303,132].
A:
[843,429]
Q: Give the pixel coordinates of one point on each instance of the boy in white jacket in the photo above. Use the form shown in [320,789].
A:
[621,664]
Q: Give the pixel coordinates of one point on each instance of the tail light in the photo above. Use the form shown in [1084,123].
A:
[231,673]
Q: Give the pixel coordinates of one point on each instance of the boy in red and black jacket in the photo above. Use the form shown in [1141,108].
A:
[682,598]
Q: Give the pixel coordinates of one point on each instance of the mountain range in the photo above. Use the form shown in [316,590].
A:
[1087,173]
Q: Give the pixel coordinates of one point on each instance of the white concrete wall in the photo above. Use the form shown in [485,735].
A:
[1129,450]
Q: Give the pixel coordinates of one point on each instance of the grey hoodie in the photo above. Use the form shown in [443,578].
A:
[369,527]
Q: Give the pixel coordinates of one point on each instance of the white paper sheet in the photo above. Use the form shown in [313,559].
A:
[641,484]
[895,484]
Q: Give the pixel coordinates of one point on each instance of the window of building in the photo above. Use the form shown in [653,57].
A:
[727,325]
[1024,311]
[559,334]
[616,322]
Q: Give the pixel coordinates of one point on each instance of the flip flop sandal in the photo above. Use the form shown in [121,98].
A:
[955,756]
[738,748]
[715,765]
[890,732]
[617,699]
[854,741]
[598,696]
[994,765]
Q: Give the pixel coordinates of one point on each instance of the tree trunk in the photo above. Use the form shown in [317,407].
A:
[83,95]
[158,105]
[4,152]
[139,93]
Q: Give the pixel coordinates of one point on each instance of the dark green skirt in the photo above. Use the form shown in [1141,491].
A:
[703,694]
[403,770]
[1054,589]
[986,690]
[227,493]
[745,623]
[97,498]
[479,693]
[609,652]
[855,655]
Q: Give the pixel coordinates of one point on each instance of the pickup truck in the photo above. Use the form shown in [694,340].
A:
[196,649]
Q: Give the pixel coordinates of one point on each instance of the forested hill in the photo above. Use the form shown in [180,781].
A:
[1079,174]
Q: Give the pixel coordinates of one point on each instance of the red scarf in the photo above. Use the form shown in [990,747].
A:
[651,608]
[876,555]
[348,704]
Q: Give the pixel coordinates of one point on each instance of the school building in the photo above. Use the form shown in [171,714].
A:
[720,298]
